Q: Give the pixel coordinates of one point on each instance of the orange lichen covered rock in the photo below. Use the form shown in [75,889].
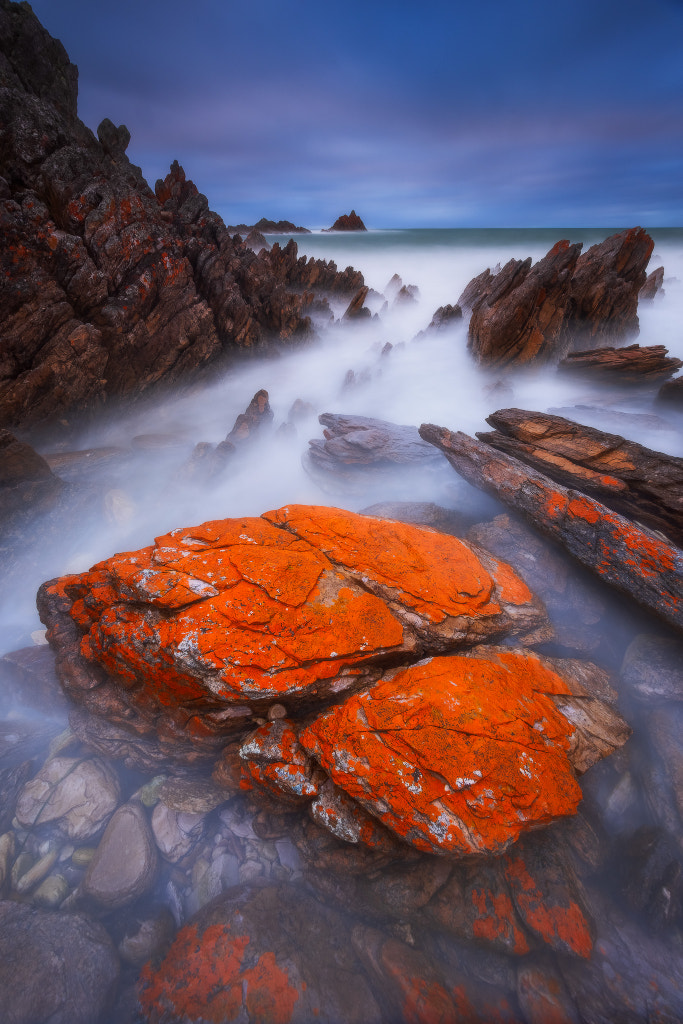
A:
[213,624]
[456,755]
[231,964]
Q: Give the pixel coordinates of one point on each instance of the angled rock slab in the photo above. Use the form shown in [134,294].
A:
[633,480]
[633,560]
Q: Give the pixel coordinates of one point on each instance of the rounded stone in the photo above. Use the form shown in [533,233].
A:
[77,795]
[125,862]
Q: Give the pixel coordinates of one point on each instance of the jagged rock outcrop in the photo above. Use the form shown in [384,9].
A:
[628,557]
[633,365]
[653,284]
[265,226]
[524,314]
[348,222]
[637,482]
[107,289]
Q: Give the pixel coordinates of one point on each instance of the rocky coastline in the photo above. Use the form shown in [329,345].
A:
[414,763]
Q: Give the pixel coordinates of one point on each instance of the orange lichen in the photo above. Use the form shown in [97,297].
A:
[496,920]
[204,979]
[456,755]
[555,923]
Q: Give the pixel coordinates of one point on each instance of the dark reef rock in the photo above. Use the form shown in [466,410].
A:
[348,222]
[269,227]
[632,365]
[106,288]
[628,557]
[653,284]
[637,482]
[671,393]
[524,314]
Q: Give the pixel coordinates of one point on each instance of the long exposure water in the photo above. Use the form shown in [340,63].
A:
[141,492]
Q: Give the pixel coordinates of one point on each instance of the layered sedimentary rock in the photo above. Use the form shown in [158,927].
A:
[108,288]
[628,557]
[642,484]
[634,364]
[524,314]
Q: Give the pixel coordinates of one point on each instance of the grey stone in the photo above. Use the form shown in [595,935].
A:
[78,796]
[176,832]
[56,968]
[125,862]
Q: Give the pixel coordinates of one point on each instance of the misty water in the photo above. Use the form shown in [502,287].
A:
[141,492]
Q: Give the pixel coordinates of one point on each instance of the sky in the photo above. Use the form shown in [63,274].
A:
[430,114]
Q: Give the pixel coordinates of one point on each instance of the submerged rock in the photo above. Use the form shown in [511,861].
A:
[60,968]
[125,862]
[78,795]
[261,953]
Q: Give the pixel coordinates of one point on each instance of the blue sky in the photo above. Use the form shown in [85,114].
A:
[438,114]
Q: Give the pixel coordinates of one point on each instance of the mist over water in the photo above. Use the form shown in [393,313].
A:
[427,379]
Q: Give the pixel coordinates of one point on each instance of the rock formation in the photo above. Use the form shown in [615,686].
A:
[633,365]
[524,314]
[653,284]
[348,222]
[264,226]
[630,558]
[108,288]
[637,482]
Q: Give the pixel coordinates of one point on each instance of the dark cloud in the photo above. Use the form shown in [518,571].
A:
[437,113]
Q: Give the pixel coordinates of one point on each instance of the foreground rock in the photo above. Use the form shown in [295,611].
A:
[188,640]
[355,447]
[60,968]
[348,222]
[637,482]
[629,558]
[230,963]
[525,314]
[633,365]
[110,288]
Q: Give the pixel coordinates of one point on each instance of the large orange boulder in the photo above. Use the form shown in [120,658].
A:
[459,755]
[194,637]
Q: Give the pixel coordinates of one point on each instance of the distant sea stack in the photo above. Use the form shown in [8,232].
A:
[269,227]
[348,222]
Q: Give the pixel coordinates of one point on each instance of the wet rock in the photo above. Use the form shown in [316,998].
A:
[631,977]
[176,832]
[652,876]
[261,953]
[523,314]
[29,674]
[476,906]
[422,513]
[671,393]
[653,668]
[79,796]
[356,310]
[548,897]
[12,781]
[635,365]
[574,607]
[653,284]
[357,445]
[444,317]
[125,862]
[51,892]
[151,938]
[454,777]
[253,422]
[543,996]
[639,483]
[629,558]
[256,241]
[207,464]
[26,480]
[60,968]
[348,222]
[318,601]
[35,874]
[110,288]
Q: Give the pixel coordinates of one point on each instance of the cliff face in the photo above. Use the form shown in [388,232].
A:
[105,287]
